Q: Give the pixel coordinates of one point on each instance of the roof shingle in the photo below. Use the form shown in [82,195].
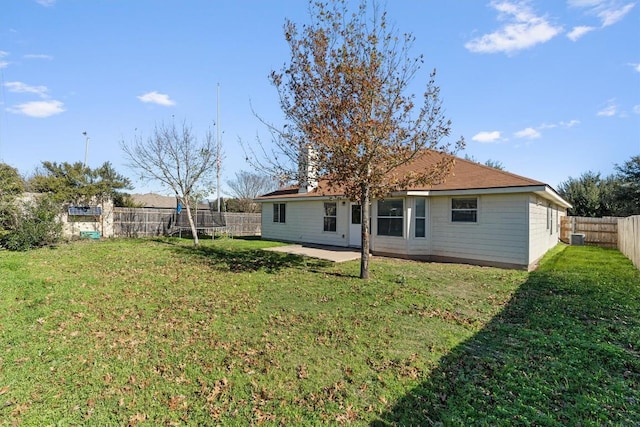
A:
[465,175]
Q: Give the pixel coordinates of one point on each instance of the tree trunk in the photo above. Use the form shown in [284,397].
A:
[364,251]
[194,232]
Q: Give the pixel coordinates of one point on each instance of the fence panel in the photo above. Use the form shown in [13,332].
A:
[597,231]
[149,222]
[140,222]
[629,238]
[243,224]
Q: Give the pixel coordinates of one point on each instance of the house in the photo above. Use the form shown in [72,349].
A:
[478,215]
[157,201]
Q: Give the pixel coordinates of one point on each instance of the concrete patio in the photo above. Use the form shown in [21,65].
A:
[330,253]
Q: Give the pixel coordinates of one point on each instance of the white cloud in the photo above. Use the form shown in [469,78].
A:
[492,136]
[46,2]
[529,133]
[636,67]
[524,29]
[156,98]
[3,64]
[609,111]
[608,11]
[560,124]
[37,56]
[636,109]
[570,123]
[579,31]
[584,3]
[39,109]
[19,87]
[612,15]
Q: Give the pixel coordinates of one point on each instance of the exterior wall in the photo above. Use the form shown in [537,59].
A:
[544,227]
[418,246]
[511,229]
[304,223]
[408,244]
[102,224]
[388,244]
[500,236]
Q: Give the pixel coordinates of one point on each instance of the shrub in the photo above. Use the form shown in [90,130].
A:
[36,224]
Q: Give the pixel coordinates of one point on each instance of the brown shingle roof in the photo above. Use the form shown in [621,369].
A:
[152,200]
[466,175]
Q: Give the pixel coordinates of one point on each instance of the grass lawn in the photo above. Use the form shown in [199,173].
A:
[157,332]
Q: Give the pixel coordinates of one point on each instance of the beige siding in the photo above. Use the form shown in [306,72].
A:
[387,244]
[499,236]
[304,223]
[542,235]
[512,229]
[408,244]
[418,246]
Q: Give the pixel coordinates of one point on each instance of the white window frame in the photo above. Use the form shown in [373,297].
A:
[475,210]
[422,218]
[391,217]
[279,213]
[326,226]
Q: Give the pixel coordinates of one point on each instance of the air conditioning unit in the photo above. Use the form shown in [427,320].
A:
[577,239]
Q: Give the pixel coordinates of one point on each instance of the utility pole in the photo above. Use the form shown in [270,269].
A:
[86,147]
[218,151]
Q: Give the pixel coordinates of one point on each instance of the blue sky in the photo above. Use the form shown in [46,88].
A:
[551,88]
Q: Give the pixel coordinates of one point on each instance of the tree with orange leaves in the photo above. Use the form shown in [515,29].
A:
[344,100]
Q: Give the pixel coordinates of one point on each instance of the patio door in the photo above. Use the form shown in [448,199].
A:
[355,225]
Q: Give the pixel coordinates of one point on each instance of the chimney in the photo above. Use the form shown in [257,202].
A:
[307,170]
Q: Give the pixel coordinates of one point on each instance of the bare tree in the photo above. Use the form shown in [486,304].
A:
[247,186]
[344,101]
[176,159]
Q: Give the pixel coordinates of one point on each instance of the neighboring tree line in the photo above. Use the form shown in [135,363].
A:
[30,207]
[615,195]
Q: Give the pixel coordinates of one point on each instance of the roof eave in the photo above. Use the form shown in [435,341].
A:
[289,198]
[541,190]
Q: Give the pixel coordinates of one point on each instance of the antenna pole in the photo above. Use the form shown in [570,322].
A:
[218,161]
[86,148]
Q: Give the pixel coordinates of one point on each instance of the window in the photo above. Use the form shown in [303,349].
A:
[279,212]
[420,218]
[330,216]
[390,217]
[356,214]
[85,210]
[84,213]
[464,209]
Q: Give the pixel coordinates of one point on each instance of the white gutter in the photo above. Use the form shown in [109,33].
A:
[543,191]
[298,198]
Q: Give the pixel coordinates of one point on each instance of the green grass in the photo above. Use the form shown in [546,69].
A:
[156,332]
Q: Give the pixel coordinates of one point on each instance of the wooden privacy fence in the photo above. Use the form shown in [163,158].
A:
[145,222]
[611,232]
[629,238]
[597,231]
